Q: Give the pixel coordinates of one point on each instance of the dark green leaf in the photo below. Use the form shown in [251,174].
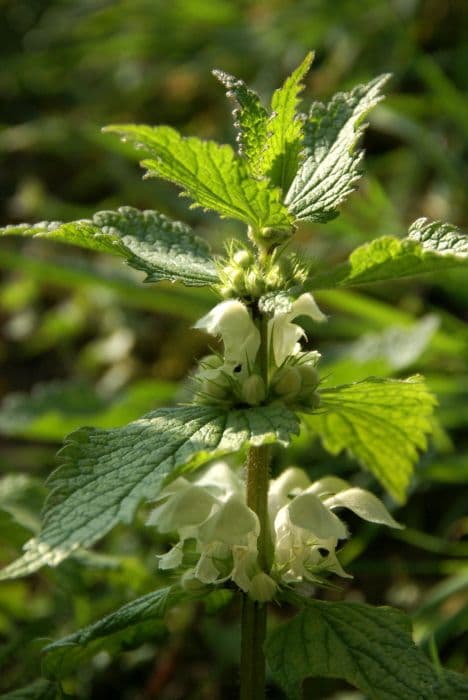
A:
[108,473]
[370,648]
[123,629]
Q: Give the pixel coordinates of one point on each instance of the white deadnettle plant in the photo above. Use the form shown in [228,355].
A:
[211,511]
[260,537]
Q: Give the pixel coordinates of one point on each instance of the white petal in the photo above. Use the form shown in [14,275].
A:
[221,480]
[291,481]
[232,321]
[262,587]
[231,523]
[206,571]
[308,512]
[188,507]
[172,559]
[365,505]
[245,566]
[327,486]
[284,336]
[305,305]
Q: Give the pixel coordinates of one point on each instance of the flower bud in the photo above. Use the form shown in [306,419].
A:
[253,390]
[287,381]
[243,258]
[262,587]
[253,283]
[309,376]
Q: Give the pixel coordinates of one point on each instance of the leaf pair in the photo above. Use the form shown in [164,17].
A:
[107,473]
[289,167]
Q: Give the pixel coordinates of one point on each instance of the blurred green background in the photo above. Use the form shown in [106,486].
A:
[83,342]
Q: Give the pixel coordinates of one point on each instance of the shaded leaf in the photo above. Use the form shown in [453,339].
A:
[108,473]
[126,628]
[369,647]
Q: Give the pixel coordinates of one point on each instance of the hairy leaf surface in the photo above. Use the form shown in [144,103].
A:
[333,162]
[210,173]
[108,473]
[127,627]
[381,422]
[431,246]
[280,158]
[149,241]
[369,647]
[250,119]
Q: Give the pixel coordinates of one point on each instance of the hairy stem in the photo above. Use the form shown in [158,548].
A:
[254,615]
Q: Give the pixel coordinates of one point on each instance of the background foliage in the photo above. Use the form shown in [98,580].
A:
[97,348]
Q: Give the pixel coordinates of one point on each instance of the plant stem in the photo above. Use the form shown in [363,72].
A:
[254,614]
[253,625]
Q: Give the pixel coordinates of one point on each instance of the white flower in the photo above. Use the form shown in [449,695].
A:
[285,334]
[211,510]
[232,321]
[306,531]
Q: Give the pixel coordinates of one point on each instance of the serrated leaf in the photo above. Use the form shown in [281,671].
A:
[38,690]
[280,157]
[125,628]
[210,173]
[369,647]
[431,246]
[108,473]
[250,119]
[332,165]
[149,241]
[381,422]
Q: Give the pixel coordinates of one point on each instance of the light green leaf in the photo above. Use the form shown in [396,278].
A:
[381,422]
[56,408]
[107,473]
[280,158]
[149,241]
[369,647]
[250,119]
[431,246]
[210,173]
[332,165]
[126,628]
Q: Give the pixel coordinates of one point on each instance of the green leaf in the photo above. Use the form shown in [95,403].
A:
[126,628]
[82,275]
[149,241]
[280,158]
[56,408]
[250,119]
[381,422]
[371,648]
[333,162]
[210,173]
[108,473]
[431,246]
[38,690]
